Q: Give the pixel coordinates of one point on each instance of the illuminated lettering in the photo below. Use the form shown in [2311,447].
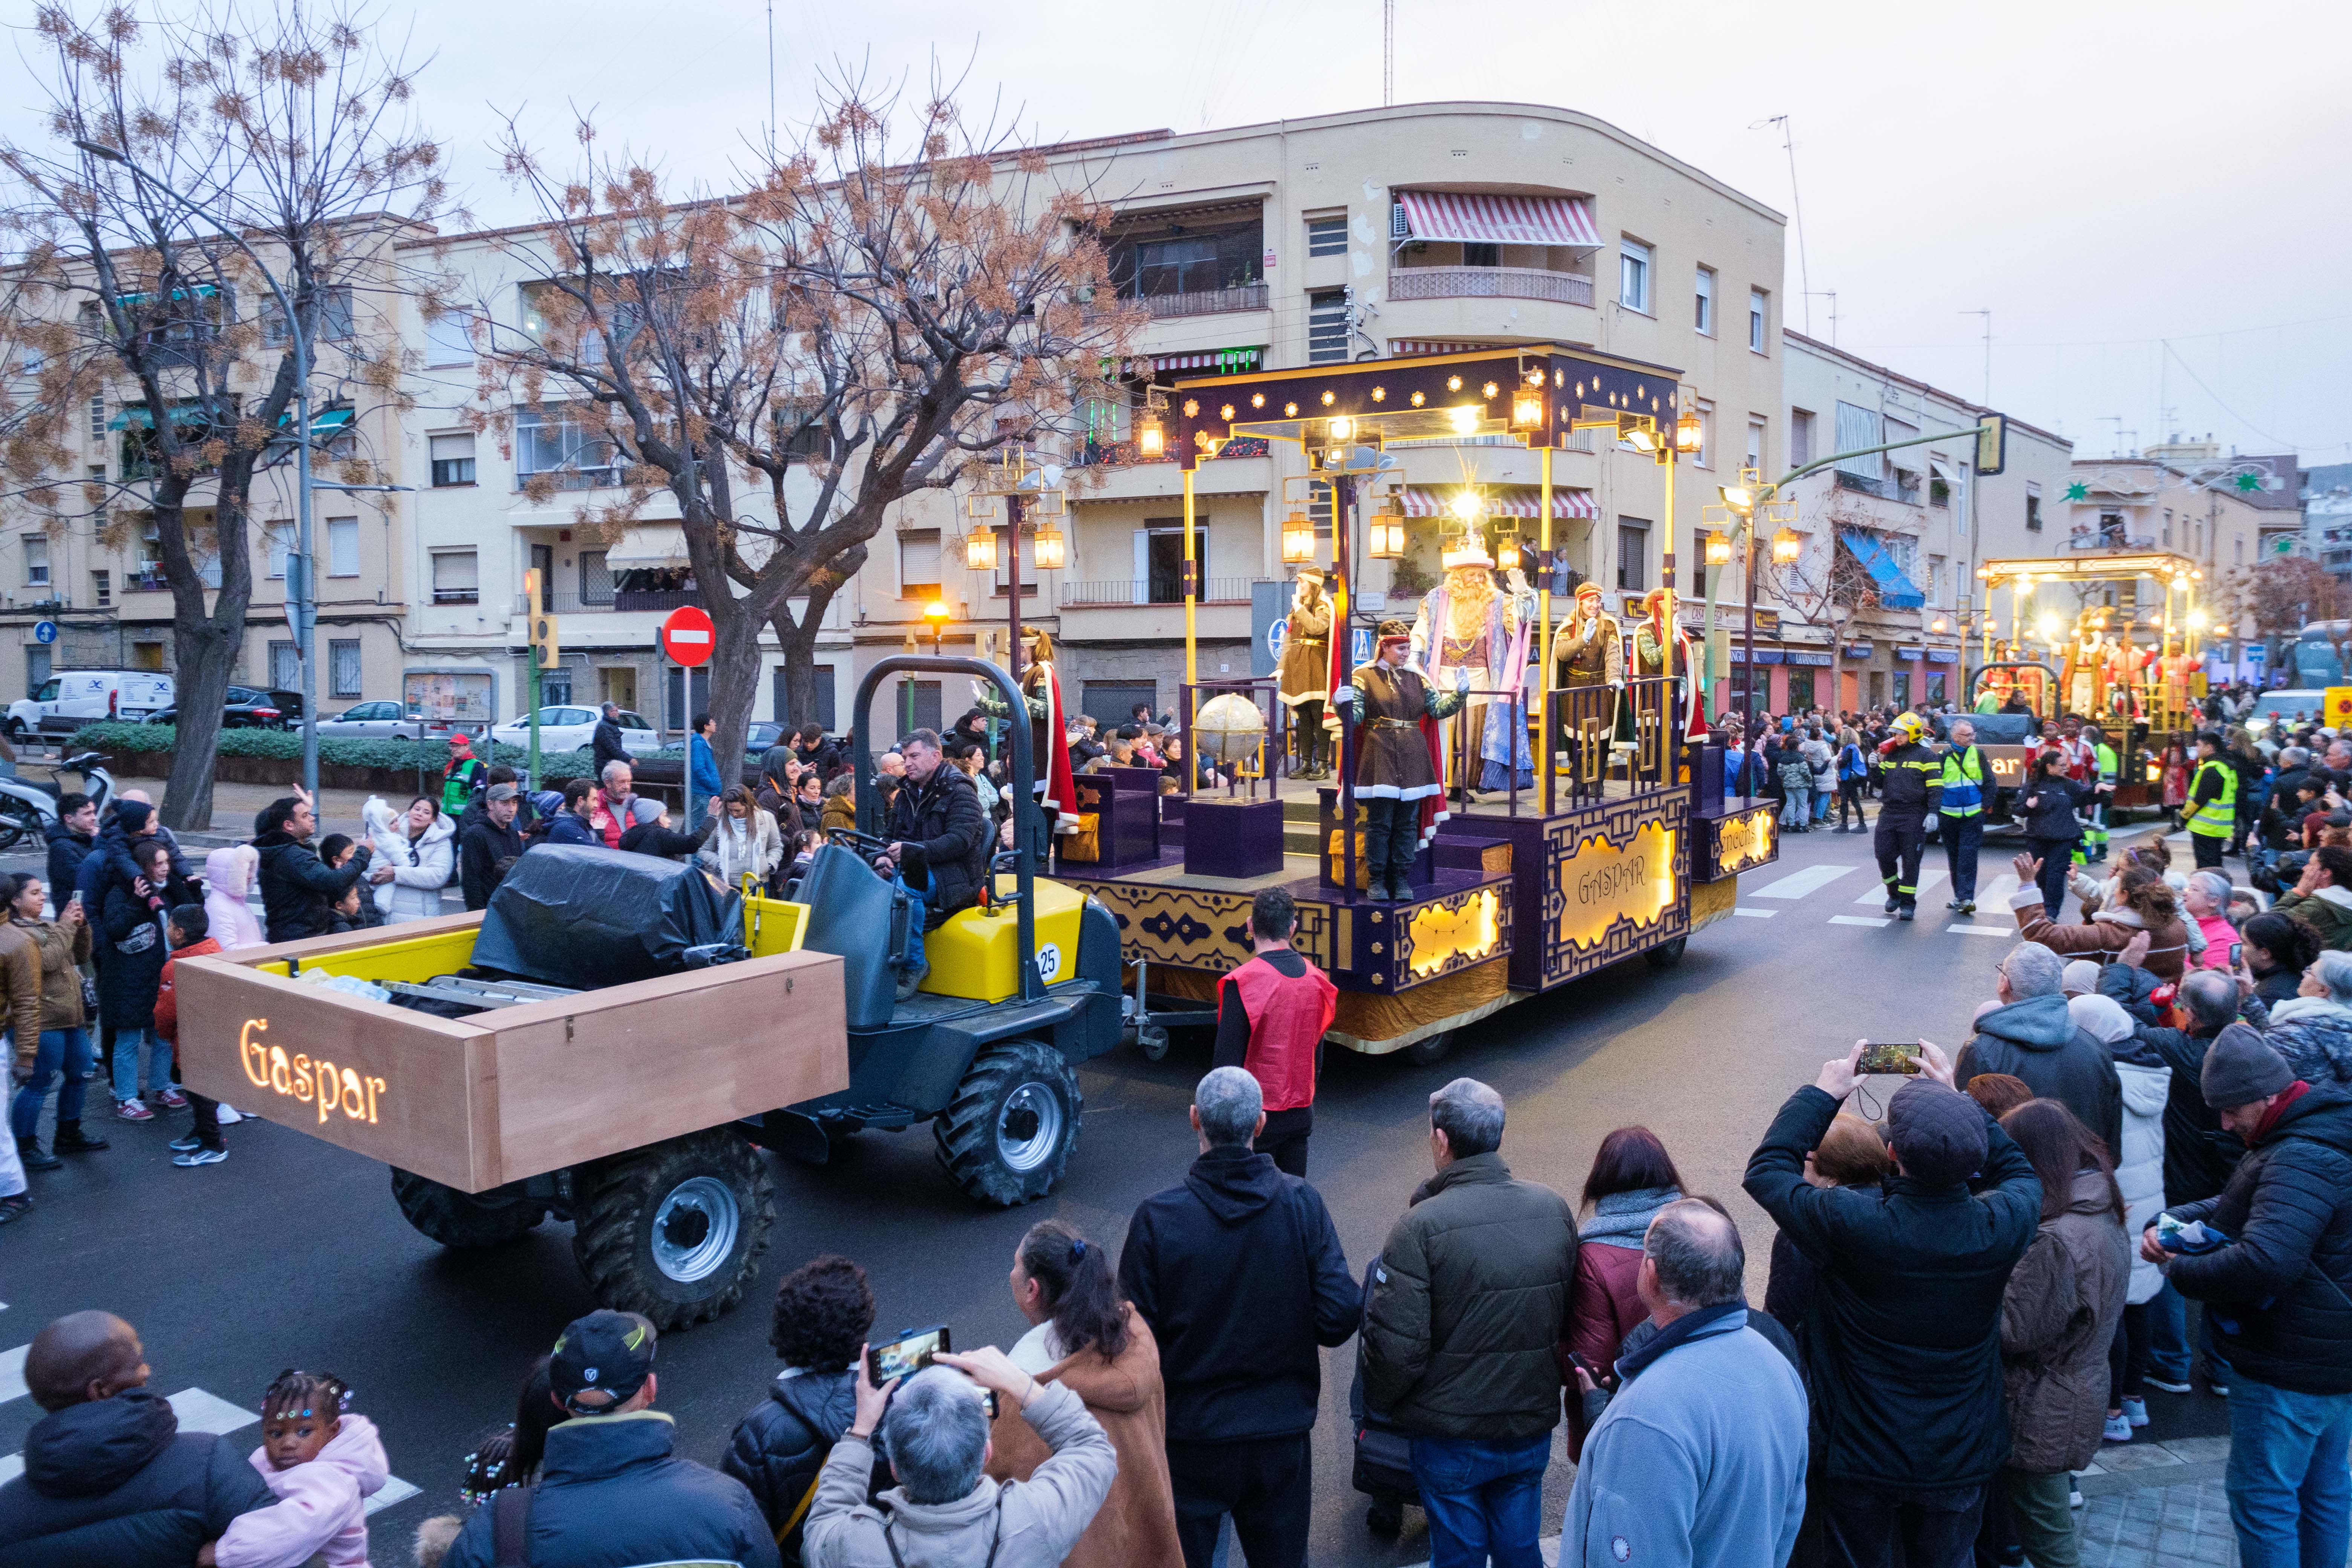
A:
[252,1055]
[1603,883]
[320,1084]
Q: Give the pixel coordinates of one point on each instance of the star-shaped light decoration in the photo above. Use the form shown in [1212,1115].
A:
[2078,491]
[2248,481]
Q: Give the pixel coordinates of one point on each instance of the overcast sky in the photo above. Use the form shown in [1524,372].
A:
[2104,178]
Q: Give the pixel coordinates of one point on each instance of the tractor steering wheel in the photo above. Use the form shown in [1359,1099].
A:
[865,844]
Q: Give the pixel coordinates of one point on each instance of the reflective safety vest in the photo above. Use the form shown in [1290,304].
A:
[1963,781]
[2218,817]
[2107,763]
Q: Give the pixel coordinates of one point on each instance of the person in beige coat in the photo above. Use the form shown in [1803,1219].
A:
[945,1512]
[1088,1340]
[2058,1316]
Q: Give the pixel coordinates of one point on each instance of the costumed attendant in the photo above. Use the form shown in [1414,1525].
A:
[1305,672]
[1589,650]
[1396,714]
[1049,743]
[1649,657]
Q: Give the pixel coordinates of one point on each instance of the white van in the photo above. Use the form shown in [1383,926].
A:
[77,697]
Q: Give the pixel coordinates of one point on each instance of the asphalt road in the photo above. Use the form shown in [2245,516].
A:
[293,1254]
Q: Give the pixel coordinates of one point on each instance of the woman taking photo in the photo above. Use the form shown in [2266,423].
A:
[58,1048]
[746,842]
[1092,1341]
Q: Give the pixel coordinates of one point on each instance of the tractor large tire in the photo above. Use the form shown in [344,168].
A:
[675,1231]
[1006,1137]
[462,1219]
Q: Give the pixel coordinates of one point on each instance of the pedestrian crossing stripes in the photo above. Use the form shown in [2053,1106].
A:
[1796,885]
[1877,894]
[197,1409]
[1861,921]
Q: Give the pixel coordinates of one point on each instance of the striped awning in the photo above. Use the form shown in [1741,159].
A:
[1502,501]
[1499,220]
[1225,362]
[1404,348]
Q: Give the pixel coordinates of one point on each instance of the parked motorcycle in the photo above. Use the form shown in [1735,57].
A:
[30,808]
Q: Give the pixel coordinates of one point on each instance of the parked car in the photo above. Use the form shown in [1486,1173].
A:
[67,701]
[571,729]
[380,721]
[248,708]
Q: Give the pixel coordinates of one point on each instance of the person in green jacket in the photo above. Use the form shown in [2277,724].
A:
[2321,899]
[457,779]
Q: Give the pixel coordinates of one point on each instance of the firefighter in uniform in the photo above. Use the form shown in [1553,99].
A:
[2105,766]
[1394,770]
[2212,802]
[1912,788]
[1962,782]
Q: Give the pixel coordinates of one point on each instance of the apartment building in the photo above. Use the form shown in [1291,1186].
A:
[100,582]
[1911,525]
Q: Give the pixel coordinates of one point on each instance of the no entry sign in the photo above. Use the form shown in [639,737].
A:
[687,637]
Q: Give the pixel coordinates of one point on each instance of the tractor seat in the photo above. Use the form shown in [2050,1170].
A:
[849,917]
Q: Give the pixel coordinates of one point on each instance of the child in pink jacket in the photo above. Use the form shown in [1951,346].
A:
[323,1465]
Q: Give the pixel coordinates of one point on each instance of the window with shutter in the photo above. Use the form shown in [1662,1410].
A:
[452,459]
[343,547]
[1328,235]
[919,564]
[457,577]
[1327,327]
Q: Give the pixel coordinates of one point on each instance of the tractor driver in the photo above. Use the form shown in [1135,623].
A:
[938,850]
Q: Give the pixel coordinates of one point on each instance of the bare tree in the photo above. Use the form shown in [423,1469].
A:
[1829,587]
[895,297]
[273,143]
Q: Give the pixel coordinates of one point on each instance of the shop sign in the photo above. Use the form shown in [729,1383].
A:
[1943,656]
[1818,660]
[1859,650]
[1603,883]
[1768,623]
[1763,655]
[1911,653]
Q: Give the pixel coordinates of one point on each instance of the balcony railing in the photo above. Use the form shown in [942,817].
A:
[1490,283]
[1138,591]
[1884,490]
[1208,301]
[1123,454]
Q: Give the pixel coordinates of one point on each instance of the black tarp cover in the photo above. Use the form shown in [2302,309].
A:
[583,917]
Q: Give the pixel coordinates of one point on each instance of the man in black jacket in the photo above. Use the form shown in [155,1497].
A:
[298,889]
[939,849]
[70,841]
[489,842]
[108,1476]
[2033,1037]
[1904,1350]
[1240,1275]
[2277,1279]
[610,1492]
[605,745]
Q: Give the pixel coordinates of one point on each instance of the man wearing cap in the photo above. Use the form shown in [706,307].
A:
[1905,1353]
[1395,767]
[492,839]
[609,1493]
[2272,1260]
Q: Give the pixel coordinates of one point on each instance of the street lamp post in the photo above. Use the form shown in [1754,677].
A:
[301,607]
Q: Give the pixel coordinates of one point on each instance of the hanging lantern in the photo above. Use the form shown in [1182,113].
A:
[1387,531]
[1507,549]
[979,549]
[1526,408]
[1788,546]
[1052,553]
[1298,540]
[1150,438]
[1690,431]
[1718,549]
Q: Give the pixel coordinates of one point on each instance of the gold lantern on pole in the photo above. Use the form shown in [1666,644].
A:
[1386,533]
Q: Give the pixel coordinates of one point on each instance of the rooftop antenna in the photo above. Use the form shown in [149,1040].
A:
[1387,53]
[1988,343]
[771,81]
[1797,206]
[1831,295]
[2118,421]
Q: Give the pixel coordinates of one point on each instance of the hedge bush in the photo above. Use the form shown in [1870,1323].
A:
[334,751]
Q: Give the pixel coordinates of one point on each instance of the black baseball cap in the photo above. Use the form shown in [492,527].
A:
[605,1352]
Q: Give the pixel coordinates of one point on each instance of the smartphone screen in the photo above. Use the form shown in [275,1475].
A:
[1894,1057]
[910,1351]
[2237,953]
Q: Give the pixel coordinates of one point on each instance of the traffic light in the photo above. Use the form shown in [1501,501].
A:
[1992,445]
[542,622]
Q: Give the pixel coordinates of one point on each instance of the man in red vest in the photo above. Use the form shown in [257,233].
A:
[1271,1015]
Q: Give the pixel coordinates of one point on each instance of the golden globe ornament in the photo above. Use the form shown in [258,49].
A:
[1229,727]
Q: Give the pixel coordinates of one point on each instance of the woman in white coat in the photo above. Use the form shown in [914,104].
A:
[420,845]
[2139,1173]
[746,842]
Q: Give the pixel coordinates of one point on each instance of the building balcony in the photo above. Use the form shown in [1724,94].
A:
[1490,283]
[1141,590]
[1207,302]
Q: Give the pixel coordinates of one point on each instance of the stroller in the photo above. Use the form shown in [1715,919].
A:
[1384,1469]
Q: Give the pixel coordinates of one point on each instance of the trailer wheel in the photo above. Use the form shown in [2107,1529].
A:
[1666,954]
[1430,1050]
[675,1231]
[1149,1039]
[1006,1136]
[462,1219]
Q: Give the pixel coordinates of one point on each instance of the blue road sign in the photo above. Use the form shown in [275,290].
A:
[45,631]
